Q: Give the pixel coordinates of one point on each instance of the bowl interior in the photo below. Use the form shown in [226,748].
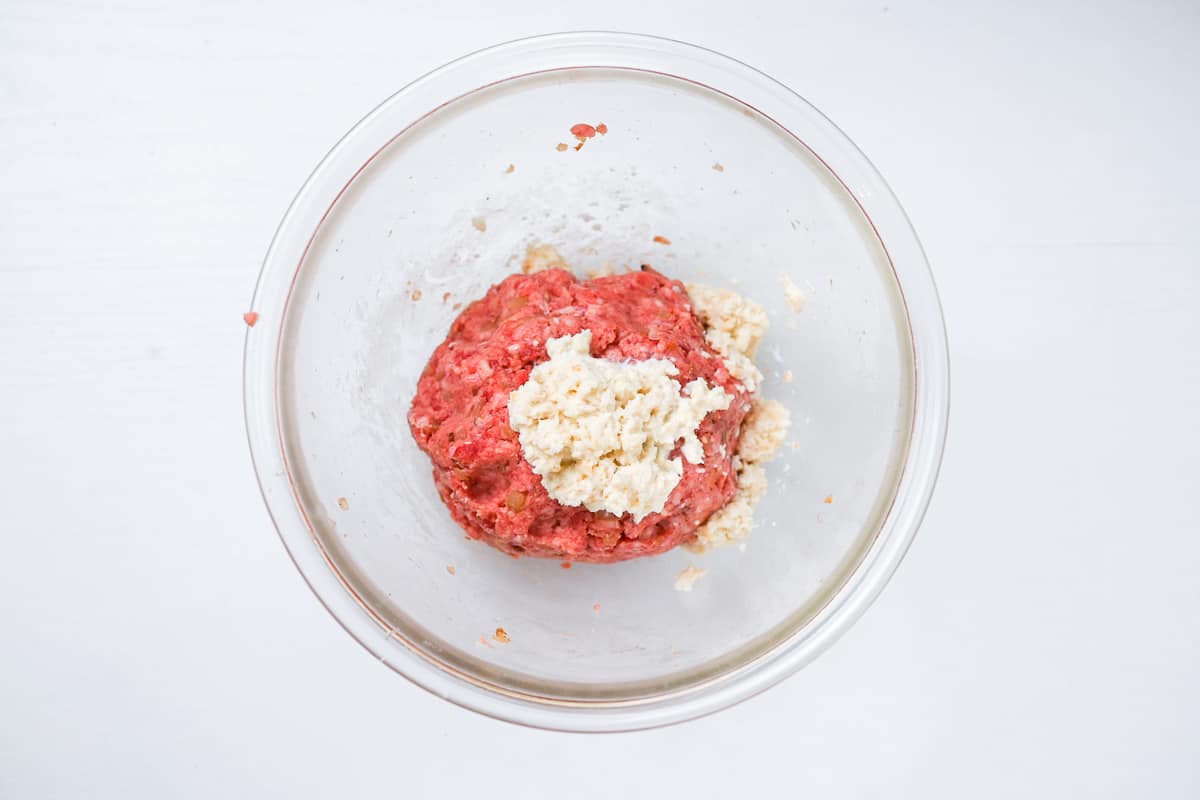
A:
[446,209]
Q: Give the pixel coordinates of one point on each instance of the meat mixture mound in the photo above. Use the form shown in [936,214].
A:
[460,415]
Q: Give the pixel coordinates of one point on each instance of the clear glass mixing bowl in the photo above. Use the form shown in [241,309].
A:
[432,198]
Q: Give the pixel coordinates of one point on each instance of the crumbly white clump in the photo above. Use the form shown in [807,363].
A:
[733,326]
[687,578]
[763,431]
[733,521]
[794,295]
[600,433]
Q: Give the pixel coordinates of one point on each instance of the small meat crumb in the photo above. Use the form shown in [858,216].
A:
[511,168]
[445,296]
[565,565]
[450,568]
[596,607]
[662,240]
[456,307]
[688,577]
[416,294]
[250,317]
[343,503]
[479,224]
[501,636]
[560,146]
[601,129]
[718,167]
[794,295]
[582,130]
[580,145]
[828,499]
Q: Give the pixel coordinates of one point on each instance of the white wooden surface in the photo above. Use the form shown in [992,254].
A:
[1039,641]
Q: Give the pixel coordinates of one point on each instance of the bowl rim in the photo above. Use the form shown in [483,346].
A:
[879,206]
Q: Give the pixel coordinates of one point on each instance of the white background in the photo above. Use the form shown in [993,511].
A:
[1040,640]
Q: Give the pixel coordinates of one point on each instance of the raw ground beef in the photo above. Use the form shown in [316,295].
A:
[459,415]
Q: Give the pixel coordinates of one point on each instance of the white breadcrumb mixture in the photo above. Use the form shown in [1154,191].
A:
[794,295]
[763,431]
[686,579]
[600,433]
[732,522]
[733,326]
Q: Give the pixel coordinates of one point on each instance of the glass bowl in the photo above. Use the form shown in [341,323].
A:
[432,198]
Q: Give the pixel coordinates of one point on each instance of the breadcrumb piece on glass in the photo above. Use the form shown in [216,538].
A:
[686,579]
